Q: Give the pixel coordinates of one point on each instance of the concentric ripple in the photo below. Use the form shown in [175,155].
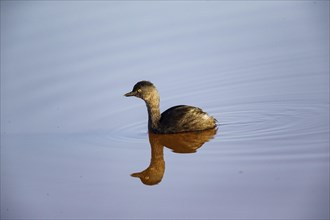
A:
[273,121]
[131,133]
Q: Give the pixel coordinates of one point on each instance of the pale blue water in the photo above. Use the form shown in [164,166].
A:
[70,139]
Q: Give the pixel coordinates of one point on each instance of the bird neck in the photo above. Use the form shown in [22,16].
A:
[153,113]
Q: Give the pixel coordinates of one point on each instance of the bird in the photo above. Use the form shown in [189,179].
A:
[177,119]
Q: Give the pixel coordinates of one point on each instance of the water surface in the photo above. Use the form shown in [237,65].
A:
[70,140]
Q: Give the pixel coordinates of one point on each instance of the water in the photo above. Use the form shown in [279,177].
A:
[70,140]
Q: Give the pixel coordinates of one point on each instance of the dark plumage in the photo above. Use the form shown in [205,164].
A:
[181,118]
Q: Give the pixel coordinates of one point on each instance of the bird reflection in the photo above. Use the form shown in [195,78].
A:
[187,142]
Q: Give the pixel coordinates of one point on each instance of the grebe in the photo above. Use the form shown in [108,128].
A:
[181,118]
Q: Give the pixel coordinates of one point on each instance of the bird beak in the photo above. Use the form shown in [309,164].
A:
[130,94]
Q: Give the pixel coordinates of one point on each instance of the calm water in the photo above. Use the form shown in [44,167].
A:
[70,140]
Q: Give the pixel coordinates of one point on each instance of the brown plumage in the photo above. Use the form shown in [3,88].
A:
[181,118]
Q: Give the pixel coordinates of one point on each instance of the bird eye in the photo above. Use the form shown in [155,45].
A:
[139,90]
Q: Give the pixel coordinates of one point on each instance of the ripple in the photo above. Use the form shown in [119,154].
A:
[135,132]
[269,121]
